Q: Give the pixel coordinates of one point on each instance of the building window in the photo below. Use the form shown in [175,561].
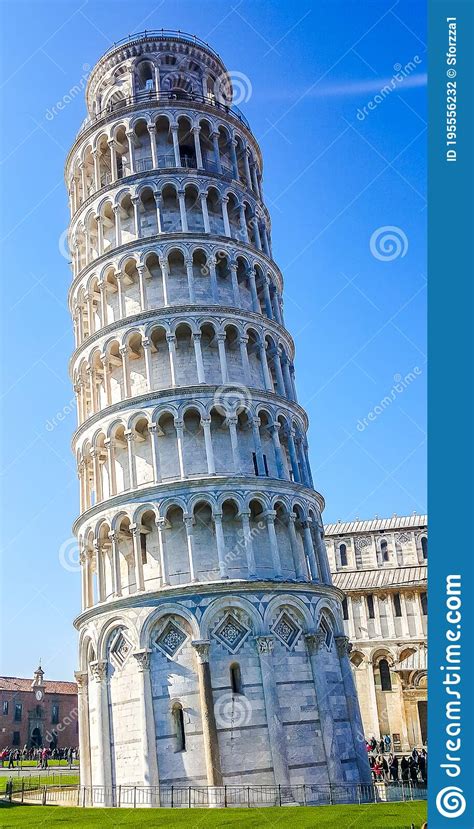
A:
[55,714]
[424,546]
[343,555]
[39,711]
[236,678]
[5,707]
[345,611]
[397,605]
[325,629]
[18,711]
[16,738]
[424,603]
[178,717]
[384,551]
[143,547]
[385,678]
[370,606]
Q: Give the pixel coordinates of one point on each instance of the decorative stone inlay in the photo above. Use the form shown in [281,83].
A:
[286,630]
[363,541]
[325,630]
[231,633]
[402,538]
[264,644]
[171,639]
[120,649]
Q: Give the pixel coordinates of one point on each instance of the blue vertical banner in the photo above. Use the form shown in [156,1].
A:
[451,390]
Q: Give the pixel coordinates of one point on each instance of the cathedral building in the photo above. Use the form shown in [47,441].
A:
[212,647]
[381,567]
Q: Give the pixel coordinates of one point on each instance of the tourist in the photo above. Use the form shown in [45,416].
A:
[413,768]
[393,765]
[11,759]
[384,768]
[381,747]
[388,742]
[404,765]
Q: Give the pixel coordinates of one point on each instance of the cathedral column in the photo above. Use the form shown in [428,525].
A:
[197,147]
[116,576]
[343,649]
[189,524]
[147,720]
[249,553]
[160,525]
[270,516]
[198,355]
[276,732]
[208,719]
[350,619]
[103,775]
[155,454]
[317,658]
[190,276]
[220,543]
[279,375]
[232,426]
[137,557]
[222,355]
[206,425]
[82,681]
[373,710]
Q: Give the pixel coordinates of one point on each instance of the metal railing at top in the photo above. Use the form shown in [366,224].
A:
[179,797]
[150,96]
[162,34]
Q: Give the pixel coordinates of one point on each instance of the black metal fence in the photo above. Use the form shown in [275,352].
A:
[188,797]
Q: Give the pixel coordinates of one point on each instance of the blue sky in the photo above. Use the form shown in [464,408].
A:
[332,178]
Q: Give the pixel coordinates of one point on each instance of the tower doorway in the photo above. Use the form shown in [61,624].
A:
[423,718]
[36,738]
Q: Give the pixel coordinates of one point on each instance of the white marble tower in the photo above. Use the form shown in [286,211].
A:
[212,649]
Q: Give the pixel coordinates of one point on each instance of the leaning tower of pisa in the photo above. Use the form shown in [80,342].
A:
[211,647]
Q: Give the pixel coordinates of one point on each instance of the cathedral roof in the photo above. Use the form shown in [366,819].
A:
[397,522]
[380,577]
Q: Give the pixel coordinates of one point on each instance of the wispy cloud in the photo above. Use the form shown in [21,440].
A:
[351,88]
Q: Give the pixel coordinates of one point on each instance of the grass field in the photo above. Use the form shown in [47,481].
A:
[375,816]
[40,780]
[34,763]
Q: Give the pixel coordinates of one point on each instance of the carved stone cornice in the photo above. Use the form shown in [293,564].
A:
[264,645]
[99,670]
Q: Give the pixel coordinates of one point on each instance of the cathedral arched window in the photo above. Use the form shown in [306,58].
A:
[343,555]
[236,678]
[385,678]
[384,551]
[424,546]
[178,717]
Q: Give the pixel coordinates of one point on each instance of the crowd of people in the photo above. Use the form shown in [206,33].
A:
[41,755]
[388,768]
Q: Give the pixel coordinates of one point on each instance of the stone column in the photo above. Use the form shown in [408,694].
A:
[147,717]
[82,681]
[182,211]
[190,276]
[243,224]
[84,596]
[164,267]
[109,445]
[249,553]
[373,710]
[275,428]
[300,565]
[253,290]
[244,356]
[247,167]
[177,155]
[142,287]
[258,445]
[137,557]
[116,577]
[343,649]
[118,226]
[310,553]
[266,297]
[209,728]
[220,543]
[266,371]
[213,277]
[103,776]
[350,618]
[197,147]
[126,376]
[225,215]
[198,354]
[278,372]
[146,343]
[217,155]
[317,657]
[232,425]
[155,454]
[131,143]
[276,732]
[171,340]
[97,182]
[235,284]
[233,158]
[179,426]
[292,450]
[205,212]
[270,515]
[206,425]
[222,355]
[99,563]
[160,524]
[188,523]
[152,133]
[130,438]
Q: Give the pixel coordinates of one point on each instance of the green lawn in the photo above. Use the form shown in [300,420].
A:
[40,780]
[34,763]
[377,816]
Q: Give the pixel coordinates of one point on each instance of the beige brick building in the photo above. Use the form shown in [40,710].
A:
[381,566]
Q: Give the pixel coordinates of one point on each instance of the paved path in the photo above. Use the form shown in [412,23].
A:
[32,771]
